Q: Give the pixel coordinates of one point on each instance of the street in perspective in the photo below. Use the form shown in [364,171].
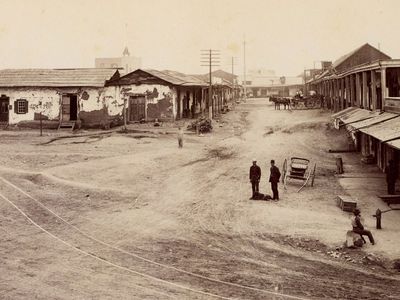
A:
[199,149]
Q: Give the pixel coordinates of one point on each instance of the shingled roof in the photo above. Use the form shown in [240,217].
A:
[363,54]
[168,76]
[83,77]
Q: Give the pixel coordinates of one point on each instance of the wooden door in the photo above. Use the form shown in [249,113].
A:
[66,108]
[137,108]
[4,102]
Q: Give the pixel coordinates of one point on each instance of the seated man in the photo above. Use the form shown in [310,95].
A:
[359,228]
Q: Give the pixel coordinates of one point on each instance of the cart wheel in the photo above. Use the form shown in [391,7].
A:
[284,169]
[313,174]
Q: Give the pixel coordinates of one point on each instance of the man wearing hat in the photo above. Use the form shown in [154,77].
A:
[255,176]
[274,179]
[358,226]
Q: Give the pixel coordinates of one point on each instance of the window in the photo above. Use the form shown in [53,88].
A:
[21,106]
[393,81]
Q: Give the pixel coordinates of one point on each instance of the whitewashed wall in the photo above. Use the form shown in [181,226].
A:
[146,89]
[50,98]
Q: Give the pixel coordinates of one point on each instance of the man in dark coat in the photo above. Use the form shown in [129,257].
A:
[391,177]
[358,227]
[274,179]
[255,176]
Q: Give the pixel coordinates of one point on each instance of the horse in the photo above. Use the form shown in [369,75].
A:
[280,100]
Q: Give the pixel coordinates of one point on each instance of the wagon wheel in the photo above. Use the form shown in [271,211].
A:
[313,174]
[285,172]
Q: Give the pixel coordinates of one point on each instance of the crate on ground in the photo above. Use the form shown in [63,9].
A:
[346,203]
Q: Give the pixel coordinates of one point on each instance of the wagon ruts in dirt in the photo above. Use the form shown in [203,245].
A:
[298,168]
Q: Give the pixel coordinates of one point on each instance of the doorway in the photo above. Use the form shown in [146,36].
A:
[69,107]
[4,103]
[137,108]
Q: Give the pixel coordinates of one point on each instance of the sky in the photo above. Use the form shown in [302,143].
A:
[283,35]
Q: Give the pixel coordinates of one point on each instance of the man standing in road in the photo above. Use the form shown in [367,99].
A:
[391,177]
[180,137]
[255,176]
[274,179]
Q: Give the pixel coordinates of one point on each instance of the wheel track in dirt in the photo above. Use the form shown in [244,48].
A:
[71,236]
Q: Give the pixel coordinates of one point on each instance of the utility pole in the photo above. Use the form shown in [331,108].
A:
[210,58]
[233,79]
[244,69]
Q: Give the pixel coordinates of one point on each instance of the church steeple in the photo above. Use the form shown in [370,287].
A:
[126,52]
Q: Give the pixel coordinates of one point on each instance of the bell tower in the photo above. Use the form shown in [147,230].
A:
[126,52]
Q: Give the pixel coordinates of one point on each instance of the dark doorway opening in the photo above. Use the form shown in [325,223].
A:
[74,108]
[4,103]
[69,107]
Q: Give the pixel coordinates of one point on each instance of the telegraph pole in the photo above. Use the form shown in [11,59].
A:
[210,58]
[244,69]
[233,78]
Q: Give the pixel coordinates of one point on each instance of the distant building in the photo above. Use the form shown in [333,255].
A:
[261,73]
[226,88]
[264,83]
[126,61]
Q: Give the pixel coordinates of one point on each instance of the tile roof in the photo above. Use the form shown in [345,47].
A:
[85,77]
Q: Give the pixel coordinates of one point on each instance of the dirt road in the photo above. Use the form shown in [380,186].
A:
[128,217]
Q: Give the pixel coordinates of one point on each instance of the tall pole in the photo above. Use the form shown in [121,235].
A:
[210,58]
[232,69]
[210,95]
[233,80]
[244,69]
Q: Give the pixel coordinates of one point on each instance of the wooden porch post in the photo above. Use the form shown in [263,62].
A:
[373,89]
[335,94]
[383,87]
[358,90]
[342,103]
[365,90]
[346,81]
[352,93]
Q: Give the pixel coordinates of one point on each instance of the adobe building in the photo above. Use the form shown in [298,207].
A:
[63,97]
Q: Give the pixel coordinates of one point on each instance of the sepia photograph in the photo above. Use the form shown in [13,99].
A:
[199,149]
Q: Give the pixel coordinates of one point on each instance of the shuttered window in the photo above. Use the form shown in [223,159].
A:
[21,106]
